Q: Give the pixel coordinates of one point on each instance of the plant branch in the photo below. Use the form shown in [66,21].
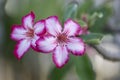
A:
[106,54]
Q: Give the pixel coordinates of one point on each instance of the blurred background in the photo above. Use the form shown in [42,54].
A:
[37,66]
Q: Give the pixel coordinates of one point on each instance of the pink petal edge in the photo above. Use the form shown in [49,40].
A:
[39,47]
[77,53]
[33,44]
[12,32]
[56,63]
[24,17]
[54,27]
[15,51]
[42,31]
[69,29]
[35,48]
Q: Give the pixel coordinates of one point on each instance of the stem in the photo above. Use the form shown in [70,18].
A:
[106,54]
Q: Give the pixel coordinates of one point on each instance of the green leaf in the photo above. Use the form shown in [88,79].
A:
[92,38]
[85,7]
[96,14]
[70,11]
[82,23]
[98,24]
[94,17]
[84,68]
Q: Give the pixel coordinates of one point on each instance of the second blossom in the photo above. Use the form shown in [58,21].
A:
[61,41]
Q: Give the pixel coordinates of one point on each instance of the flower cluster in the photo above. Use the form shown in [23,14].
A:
[48,36]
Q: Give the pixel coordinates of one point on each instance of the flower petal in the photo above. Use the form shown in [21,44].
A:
[28,20]
[53,25]
[21,48]
[18,32]
[84,30]
[60,56]
[33,43]
[39,27]
[71,28]
[76,46]
[46,44]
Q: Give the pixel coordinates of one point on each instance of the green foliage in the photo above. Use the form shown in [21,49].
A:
[45,8]
[85,7]
[70,11]
[99,24]
[84,68]
[92,38]
[97,16]
[82,23]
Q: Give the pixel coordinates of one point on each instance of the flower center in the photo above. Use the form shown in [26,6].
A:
[30,33]
[62,38]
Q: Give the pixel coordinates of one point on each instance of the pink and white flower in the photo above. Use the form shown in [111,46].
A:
[27,34]
[61,41]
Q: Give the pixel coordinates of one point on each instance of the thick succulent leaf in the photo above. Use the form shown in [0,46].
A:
[84,68]
[70,11]
[92,38]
